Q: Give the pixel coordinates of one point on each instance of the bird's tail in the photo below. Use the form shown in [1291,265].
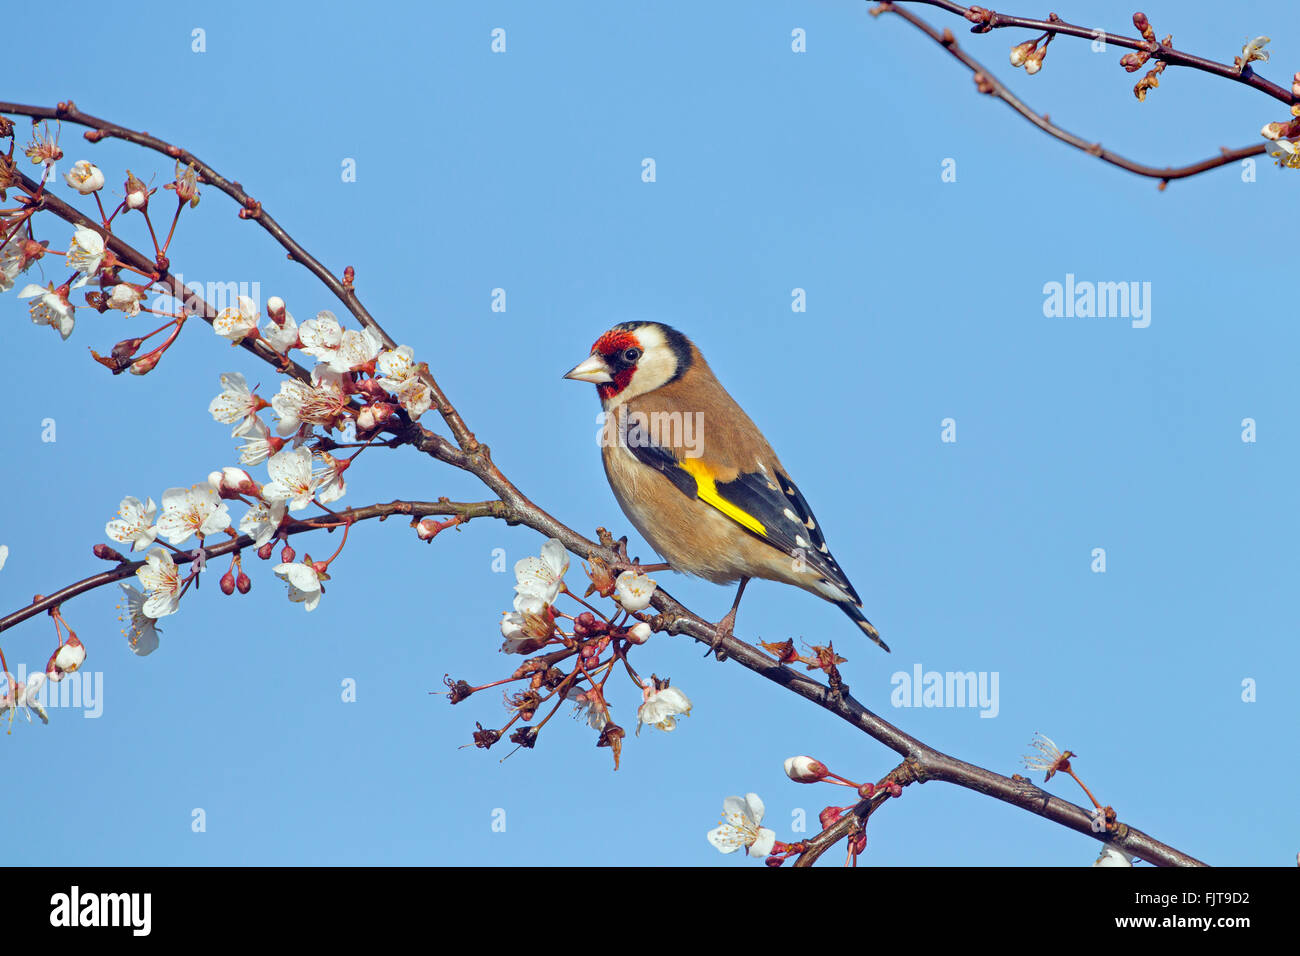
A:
[855,612]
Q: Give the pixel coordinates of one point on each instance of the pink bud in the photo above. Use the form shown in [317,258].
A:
[287,554]
[373,416]
[264,552]
[147,364]
[228,583]
[243,583]
[805,769]
[372,390]
[106,553]
[275,309]
[830,815]
[233,482]
[70,656]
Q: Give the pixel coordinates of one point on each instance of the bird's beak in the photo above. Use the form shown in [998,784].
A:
[592,370]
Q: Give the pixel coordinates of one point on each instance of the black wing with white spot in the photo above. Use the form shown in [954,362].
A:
[775,501]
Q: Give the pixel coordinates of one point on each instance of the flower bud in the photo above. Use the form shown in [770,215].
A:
[85,177]
[243,583]
[1020,52]
[830,815]
[638,633]
[287,554]
[264,552]
[1132,62]
[805,769]
[125,298]
[275,309]
[233,482]
[147,364]
[137,193]
[228,583]
[372,390]
[70,656]
[586,624]
[373,416]
[106,553]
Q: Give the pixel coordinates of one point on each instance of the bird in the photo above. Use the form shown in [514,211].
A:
[696,477]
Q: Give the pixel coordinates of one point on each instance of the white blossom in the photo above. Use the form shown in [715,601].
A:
[85,177]
[236,405]
[1110,856]
[280,336]
[161,582]
[126,298]
[304,582]
[543,576]
[140,631]
[330,484]
[661,707]
[258,443]
[50,308]
[634,590]
[134,523]
[261,521]
[321,336]
[292,479]
[23,698]
[189,511]
[236,322]
[86,251]
[740,827]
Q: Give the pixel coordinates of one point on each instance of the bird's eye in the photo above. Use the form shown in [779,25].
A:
[631,355]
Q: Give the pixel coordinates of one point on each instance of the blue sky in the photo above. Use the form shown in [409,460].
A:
[774,171]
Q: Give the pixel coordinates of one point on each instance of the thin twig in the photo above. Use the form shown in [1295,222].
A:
[986,82]
[126,569]
[988,20]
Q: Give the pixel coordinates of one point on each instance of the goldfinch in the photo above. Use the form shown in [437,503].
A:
[697,478]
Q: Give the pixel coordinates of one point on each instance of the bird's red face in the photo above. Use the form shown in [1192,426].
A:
[632,359]
[612,363]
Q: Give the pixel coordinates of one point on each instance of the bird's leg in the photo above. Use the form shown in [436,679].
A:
[723,629]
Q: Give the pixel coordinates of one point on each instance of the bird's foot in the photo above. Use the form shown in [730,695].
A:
[723,631]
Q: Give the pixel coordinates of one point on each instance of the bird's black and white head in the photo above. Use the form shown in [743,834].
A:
[634,358]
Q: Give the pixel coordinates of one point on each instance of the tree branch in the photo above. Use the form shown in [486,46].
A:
[127,569]
[989,84]
[922,762]
[250,208]
[986,20]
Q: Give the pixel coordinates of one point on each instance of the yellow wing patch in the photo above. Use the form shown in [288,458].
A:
[707,491]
